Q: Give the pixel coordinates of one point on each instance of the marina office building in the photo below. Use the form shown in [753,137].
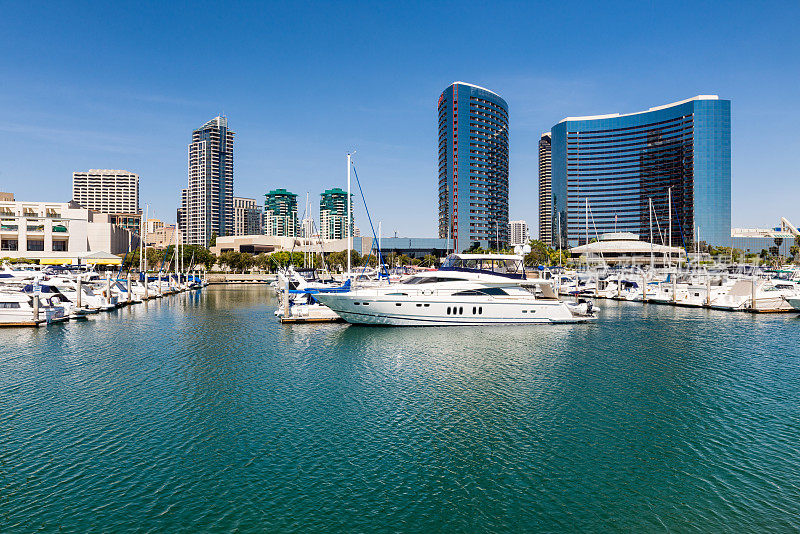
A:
[59,232]
[622,171]
[207,203]
[473,166]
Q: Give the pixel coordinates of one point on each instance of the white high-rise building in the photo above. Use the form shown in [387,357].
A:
[518,233]
[106,190]
[308,227]
[207,204]
[248,217]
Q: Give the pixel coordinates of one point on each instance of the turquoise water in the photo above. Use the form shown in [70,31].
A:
[202,413]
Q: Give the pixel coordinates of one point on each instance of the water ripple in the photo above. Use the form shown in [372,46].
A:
[201,412]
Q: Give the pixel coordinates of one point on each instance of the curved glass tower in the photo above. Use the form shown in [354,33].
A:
[473,167]
[608,170]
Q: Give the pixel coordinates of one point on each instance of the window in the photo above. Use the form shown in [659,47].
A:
[60,246]
[484,291]
[35,246]
[8,305]
[9,244]
[461,311]
[448,310]
[397,304]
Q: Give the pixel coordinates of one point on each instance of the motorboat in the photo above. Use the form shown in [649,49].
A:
[18,308]
[469,289]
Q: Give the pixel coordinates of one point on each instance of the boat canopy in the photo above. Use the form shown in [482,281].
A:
[509,265]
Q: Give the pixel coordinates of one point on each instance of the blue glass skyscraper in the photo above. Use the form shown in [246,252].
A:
[608,170]
[473,167]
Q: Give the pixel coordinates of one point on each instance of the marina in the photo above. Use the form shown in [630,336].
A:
[202,412]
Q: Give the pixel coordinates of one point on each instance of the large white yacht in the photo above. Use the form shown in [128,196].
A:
[469,289]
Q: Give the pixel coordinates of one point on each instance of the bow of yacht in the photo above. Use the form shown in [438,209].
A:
[469,289]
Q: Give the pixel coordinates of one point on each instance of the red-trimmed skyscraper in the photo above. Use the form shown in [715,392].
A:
[473,167]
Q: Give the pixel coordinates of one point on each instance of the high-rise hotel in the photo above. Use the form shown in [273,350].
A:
[207,204]
[617,173]
[473,167]
[115,192]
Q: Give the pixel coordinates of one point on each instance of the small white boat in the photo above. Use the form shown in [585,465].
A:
[18,309]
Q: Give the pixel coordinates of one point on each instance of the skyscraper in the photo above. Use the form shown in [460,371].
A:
[207,205]
[473,166]
[545,191]
[617,173]
[247,216]
[333,214]
[280,214]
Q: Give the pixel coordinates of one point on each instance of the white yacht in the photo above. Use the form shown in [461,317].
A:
[469,289]
[17,308]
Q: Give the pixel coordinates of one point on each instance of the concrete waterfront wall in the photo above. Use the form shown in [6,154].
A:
[232,278]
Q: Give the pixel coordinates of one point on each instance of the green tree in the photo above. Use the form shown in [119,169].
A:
[539,255]
[213,242]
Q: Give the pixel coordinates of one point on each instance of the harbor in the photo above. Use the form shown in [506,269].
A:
[202,412]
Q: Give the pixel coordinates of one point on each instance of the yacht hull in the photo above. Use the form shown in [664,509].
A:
[421,312]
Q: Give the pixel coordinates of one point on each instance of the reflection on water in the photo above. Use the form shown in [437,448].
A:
[202,412]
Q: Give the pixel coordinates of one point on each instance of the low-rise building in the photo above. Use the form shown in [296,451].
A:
[161,237]
[413,247]
[753,240]
[6,197]
[624,248]
[59,232]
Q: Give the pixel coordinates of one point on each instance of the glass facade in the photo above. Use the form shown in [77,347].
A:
[473,167]
[635,172]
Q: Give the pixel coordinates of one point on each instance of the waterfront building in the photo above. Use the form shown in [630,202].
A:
[59,232]
[776,241]
[247,216]
[413,247]
[623,248]
[333,214]
[207,204]
[518,233]
[6,197]
[280,214]
[473,166]
[607,171]
[546,214]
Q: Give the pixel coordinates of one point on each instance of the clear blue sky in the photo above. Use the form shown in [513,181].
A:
[100,85]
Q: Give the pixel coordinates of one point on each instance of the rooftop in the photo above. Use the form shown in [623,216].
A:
[615,115]
[477,87]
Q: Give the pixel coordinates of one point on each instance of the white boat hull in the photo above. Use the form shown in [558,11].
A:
[422,312]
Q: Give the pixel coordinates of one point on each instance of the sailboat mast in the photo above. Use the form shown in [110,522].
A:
[651,231]
[669,210]
[349,217]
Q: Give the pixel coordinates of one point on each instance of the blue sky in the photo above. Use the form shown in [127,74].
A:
[106,85]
